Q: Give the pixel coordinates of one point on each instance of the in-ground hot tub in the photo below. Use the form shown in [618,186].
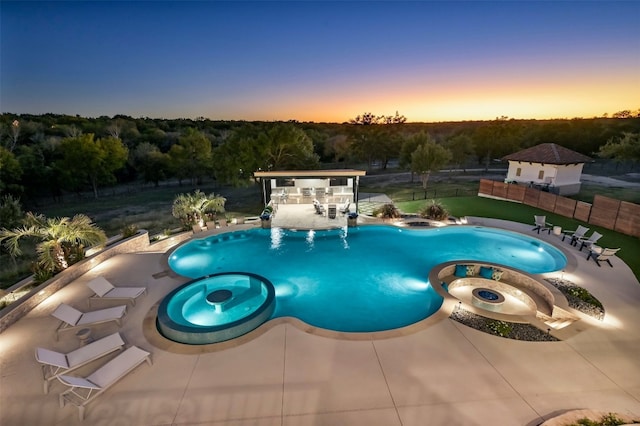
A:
[216,308]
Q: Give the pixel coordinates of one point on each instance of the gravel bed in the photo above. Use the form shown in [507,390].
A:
[591,307]
[509,330]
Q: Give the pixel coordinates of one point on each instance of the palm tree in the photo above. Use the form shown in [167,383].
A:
[62,240]
[192,208]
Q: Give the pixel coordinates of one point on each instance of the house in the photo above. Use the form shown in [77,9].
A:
[547,166]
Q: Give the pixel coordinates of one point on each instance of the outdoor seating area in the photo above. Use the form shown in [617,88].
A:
[56,365]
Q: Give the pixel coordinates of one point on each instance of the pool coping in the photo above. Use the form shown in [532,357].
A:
[449,304]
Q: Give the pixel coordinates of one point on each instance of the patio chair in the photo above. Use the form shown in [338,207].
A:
[319,207]
[55,363]
[222,223]
[575,235]
[345,208]
[601,255]
[104,290]
[71,318]
[86,389]
[542,224]
[589,242]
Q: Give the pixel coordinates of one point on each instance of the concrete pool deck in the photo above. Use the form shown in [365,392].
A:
[443,374]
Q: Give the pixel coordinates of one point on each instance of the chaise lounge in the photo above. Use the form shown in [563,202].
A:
[71,318]
[55,363]
[84,390]
[104,290]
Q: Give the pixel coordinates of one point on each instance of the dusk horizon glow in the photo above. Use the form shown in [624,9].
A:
[320,61]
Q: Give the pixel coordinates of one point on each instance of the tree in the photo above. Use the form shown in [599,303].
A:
[192,208]
[10,211]
[375,137]
[287,147]
[10,173]
[461,147]
[61,240]
[428,158]
[409,146]
[279,146]
[192,156]
[626,148]
[85,161]
[153,164]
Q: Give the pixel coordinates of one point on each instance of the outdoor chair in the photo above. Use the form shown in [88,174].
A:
[589,242]
[601,255]
[104,290]
[86,389]
[575,235]
[542,224]
[345,208]
[319,207]
[222,223]
[71,318]
[55,363]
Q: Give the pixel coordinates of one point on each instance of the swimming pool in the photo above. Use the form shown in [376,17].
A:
[364,279]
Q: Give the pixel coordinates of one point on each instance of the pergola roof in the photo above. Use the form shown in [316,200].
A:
[548,153]
[310,173]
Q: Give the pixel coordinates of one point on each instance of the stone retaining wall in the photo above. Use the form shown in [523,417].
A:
[13,312]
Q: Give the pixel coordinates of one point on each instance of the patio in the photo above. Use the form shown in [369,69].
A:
[445,371]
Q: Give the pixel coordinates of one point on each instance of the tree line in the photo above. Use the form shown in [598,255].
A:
[51,155]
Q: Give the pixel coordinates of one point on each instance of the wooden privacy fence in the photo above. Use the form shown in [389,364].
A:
[609,213]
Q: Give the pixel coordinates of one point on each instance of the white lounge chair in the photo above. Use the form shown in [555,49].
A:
[56,363]
[86,389]
[542,224]
[602,255]
[71,318]
[103,289]
[589,242]
[575,235]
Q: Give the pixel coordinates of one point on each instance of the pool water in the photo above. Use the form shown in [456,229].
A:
[362,279]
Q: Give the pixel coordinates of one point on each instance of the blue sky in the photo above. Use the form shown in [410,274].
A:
[320,61]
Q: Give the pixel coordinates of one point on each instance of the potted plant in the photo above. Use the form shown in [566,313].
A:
[352,219]
[265,217]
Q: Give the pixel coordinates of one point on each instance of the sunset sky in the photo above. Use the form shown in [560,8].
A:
[321,61]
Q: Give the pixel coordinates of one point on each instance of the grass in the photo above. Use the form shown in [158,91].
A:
[515,212]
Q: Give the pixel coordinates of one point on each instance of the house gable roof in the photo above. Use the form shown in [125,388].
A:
[548,153]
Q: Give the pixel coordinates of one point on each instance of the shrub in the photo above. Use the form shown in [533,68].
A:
[387,211]
[434,210]
[129,231]
[500,328]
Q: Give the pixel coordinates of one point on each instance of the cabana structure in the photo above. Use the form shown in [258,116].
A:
[304,186]
[547,166]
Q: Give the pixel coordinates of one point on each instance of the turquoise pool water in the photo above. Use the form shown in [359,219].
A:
[362,279]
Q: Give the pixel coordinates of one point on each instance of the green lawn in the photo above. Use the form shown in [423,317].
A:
[487,207]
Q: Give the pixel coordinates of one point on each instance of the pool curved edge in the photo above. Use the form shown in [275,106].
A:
[155,338]
[202,335]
